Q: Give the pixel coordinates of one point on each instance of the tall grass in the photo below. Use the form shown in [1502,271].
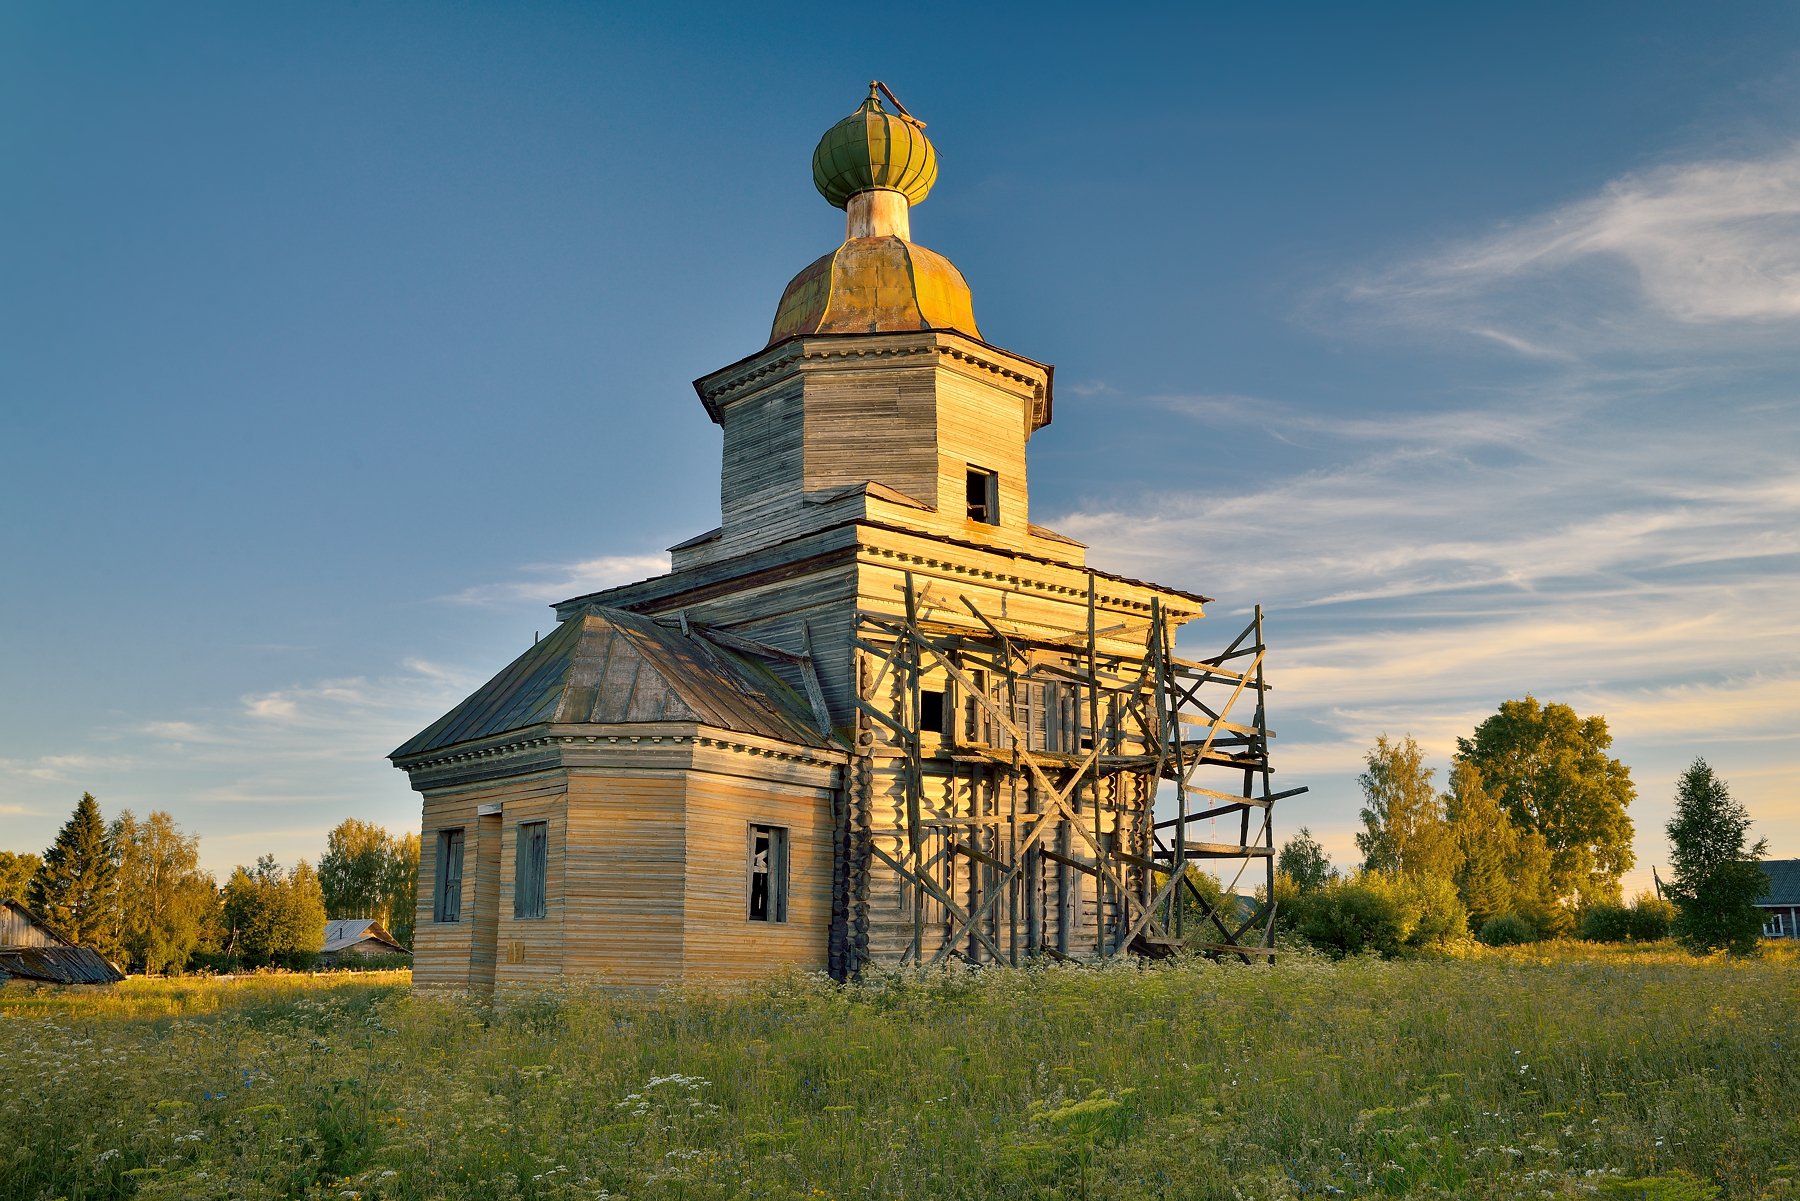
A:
[1560,1072]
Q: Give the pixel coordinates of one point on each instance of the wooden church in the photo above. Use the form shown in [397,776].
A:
[877,716]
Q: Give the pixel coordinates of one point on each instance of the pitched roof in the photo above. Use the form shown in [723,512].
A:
[1784,881]
[606,667]
[344,932]
[57,965]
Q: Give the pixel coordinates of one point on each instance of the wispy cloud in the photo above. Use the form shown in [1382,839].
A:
[1618,528]
[1667,259]
[311,751]
[547,583]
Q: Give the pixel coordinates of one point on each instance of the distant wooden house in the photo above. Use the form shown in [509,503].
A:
[354,938]
[1781,908]
[878,715]
[30,950]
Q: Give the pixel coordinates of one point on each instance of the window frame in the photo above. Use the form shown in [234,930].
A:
[774,877]
[446,900]
[986,509]
[531,870]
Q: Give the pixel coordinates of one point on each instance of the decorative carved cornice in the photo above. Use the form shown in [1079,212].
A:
[1037,583]
[538,740]
[721,386]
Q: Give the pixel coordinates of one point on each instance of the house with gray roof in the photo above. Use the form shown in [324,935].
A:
[1781,907]
[352,938]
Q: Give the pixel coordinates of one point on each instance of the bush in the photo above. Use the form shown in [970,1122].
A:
[1647,919]
[1438,915]
[1349,917]
[1606,923]
[1507,930]
[1652,918]
[1374,911]
[372,963]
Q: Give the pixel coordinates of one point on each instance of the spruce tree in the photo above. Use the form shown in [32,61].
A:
[1717,881]
[75,891]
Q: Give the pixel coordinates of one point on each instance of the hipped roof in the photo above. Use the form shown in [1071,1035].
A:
[609,667]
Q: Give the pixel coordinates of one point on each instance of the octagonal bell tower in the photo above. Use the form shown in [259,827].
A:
[875,377]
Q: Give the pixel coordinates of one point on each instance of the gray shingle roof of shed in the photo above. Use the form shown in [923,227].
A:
[611,667]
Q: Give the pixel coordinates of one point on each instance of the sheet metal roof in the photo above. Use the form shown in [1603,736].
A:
[344,932]
[606,667]
[1784,881]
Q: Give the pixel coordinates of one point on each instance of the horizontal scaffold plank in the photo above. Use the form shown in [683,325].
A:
[1219,850]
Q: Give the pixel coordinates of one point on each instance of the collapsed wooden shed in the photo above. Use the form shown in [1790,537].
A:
[30,950]
[878,715]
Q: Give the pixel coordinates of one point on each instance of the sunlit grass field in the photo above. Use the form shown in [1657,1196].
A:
[1567,1071]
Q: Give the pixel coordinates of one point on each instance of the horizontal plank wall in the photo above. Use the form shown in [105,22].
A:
[442,950]
[530,950]
[626,861]
[727,791]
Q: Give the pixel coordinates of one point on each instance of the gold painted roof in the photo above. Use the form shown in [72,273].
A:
[871,285]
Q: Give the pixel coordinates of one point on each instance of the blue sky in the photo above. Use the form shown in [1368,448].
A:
[337,341]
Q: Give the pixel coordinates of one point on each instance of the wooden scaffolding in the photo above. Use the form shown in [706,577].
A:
[1004,792]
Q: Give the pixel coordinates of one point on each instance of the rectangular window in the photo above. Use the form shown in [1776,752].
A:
[529,869]
[1773,927]
[931,711]
[984,496]
[768,873]
[447,902]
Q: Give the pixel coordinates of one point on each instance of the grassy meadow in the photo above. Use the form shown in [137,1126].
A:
[1566,1071]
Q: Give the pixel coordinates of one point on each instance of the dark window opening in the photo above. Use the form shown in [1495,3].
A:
[931,711]
[984,496]
[768,873]
[530,868]
[447,902]
[974,716]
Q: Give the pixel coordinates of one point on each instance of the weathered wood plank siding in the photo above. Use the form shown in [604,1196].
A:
[723,799]
[627,859]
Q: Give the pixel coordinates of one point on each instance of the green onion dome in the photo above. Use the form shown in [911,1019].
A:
[873,148]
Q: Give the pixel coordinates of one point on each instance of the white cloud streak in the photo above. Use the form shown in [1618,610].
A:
[1669,259]
[547,583]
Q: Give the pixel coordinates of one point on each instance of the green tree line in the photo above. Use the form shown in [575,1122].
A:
[133,889]
[1530,840]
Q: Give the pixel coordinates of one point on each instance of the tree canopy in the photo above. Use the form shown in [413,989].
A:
[1716,880]
[75,891]
[1548,769]
[1303,861]
[166,904]
[1403,820]
[16,871]
[272,915]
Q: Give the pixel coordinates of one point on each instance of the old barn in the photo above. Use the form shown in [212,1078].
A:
[30,950]
[878,714]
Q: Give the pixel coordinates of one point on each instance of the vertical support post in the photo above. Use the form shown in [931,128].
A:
[1268,808]
[915,773]
[1177,897]
[1093,774]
